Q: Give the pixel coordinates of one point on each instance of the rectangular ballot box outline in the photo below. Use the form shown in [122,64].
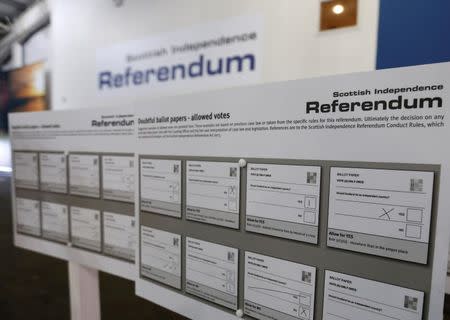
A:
[411,239]
[306,301]
[175,209]
[181,257]
[110,197]
[106,250]
[26,184]
[49,234]
[26,229]
[215,299]
[303,230]
[42,184]
[80,245]
[407,303]
[235,201]
[99,167]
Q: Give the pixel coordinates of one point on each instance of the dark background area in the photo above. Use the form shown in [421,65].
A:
[35,286]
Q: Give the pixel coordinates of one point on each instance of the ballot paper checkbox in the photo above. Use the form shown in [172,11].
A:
[305,300]
[310,202]
[413,231]
[309,217]
[232,204]
[414,215]
[303,313]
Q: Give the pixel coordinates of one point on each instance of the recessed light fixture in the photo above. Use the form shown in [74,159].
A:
[338,9]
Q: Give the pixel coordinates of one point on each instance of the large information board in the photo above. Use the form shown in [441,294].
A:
[320,199]
[74,186]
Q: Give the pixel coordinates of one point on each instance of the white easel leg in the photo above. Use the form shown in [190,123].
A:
[84,292]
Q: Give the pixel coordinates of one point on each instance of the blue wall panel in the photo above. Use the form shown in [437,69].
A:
[413,32]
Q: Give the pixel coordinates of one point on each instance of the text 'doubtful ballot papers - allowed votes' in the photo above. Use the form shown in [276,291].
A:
[381,212]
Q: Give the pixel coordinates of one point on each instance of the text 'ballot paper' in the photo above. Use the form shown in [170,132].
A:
[212,272]
[28,218]
[213,192]
[381,212]
[161,256]
[26,170]
[53,169]
[283,201]
[119,235]
[278,289]
[85,225]
[352,298]
[84,172]
[55,221]
[161,186]
[118,178]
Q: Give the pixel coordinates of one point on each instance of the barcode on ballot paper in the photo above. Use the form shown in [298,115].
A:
[416,185]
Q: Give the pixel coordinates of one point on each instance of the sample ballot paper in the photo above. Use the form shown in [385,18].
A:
[352,298]
[278,289]
[212,272]
[55,221]
[53,172]
[118,178]
[161,186]
[28,216]
[85,224]
[283,201]
[119,235]
[213,192]
[26,170]
[84,175]
[161,256]
[381,212]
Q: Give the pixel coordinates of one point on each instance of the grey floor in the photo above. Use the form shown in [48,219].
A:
[34,286]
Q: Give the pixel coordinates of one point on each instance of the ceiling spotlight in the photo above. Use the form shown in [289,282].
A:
[338,9]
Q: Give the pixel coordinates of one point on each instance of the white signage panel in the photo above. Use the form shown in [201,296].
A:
[84,175]
[86,228]
[161,256]
[283,201]
[381,212]
[278,289]
[118,178]
[354,298]
[212,192]
[216,54]
[55,221]
[28,218]
[53,172]
[119,235]
[161,186]
[26,170]
[212,272]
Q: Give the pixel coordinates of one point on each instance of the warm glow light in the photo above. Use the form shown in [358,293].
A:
[338,9]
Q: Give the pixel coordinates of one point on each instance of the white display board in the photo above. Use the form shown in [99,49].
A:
[344,152]
[381,129]
[70,147]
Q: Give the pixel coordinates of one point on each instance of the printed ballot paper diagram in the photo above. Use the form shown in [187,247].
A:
[381,212]
[278,289]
